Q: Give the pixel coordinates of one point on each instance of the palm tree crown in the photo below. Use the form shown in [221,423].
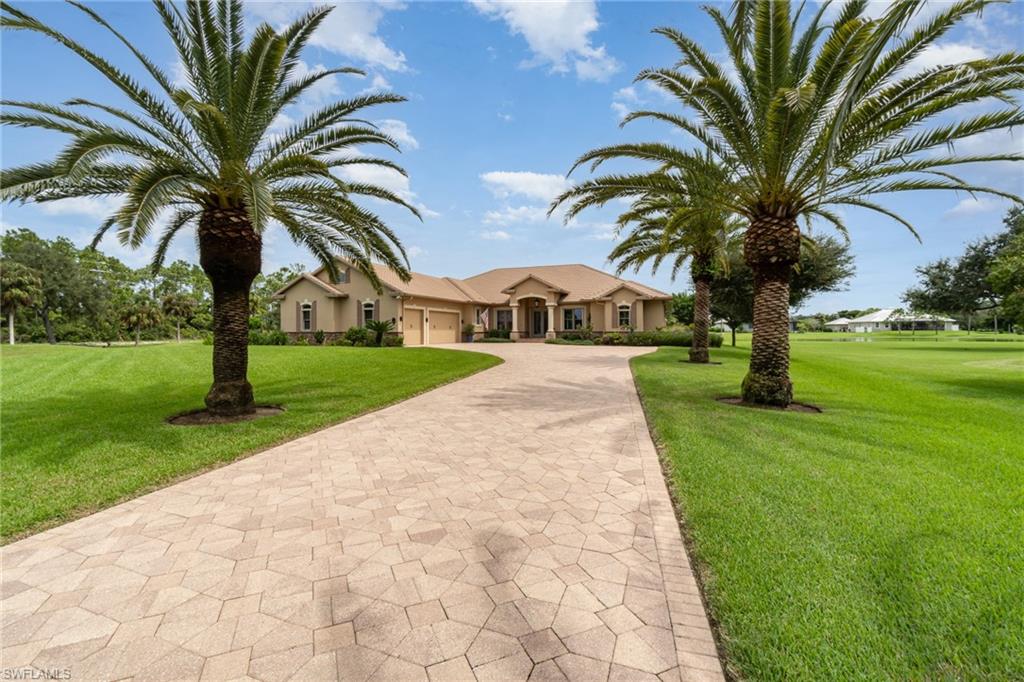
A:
[212,141]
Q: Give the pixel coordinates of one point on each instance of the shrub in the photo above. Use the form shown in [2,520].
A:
[578,335]
[375,331]
[497,334]
[611,339]
[207,338]
[656,338]
[358,335]
[274,337]
[468,328]
[341,341]
[318,336]
[496,339]
[569,342]
[393,341]
[302,341]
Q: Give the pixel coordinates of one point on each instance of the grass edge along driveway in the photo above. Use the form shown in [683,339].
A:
[84,428]
[883,539]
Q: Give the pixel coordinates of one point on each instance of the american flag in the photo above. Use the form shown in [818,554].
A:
[483,318]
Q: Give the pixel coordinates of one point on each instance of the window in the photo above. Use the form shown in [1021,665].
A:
[479,312]
[306,323]
[504,319]
[624,311]
[572,318]
[368,309]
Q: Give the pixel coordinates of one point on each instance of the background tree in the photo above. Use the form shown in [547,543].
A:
[19,288]
[827,115]
[825,266]
[266,310]
[204,150]
[180,308]
[680,308]
[141,313]
[1006,278]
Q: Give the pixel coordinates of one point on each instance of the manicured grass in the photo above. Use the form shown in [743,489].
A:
[883,539]
[84,427]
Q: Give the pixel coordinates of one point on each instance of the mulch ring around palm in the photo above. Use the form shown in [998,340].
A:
[204,417]
[792,407]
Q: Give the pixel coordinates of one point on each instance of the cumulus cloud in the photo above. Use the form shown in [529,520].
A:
[539,186]
[388,179]
[351,29]
[496,235]
[625,101]
[95,207]
[945,54]
[558,33]
[399,131]
[974,205]
[510,215]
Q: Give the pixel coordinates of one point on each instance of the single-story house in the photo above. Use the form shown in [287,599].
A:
[840,324]
[890,319]
[528,302]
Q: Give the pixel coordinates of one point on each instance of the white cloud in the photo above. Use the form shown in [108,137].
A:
[539,186]
[398,130]
[388,179]
[496,235]
[974,205]
[415,251]
[323,90]
[625,101]
[349,30]
[945,54]
[558,34]
[510,215]
[95,207]
[377,83]
[507,118]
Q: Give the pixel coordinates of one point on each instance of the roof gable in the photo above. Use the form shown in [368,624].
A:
[305,276]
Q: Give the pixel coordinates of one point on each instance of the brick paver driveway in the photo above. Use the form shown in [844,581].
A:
[514,525]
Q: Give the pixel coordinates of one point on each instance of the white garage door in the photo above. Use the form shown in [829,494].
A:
[444,327]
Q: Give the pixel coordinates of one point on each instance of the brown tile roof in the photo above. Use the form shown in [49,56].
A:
[578,282]
[582,282]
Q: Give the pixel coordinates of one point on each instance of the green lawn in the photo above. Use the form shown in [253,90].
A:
[84,427]
[883,539]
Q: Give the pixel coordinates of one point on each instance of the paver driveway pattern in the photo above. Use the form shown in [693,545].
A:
[513,525]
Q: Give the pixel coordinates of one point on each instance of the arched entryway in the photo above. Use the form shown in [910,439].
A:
[535,317]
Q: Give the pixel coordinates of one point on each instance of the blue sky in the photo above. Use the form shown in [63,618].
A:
[502,97]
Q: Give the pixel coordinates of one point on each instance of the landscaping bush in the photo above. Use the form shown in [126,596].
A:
[497,334]
[341,341]
[319,336]
[656,338]
[302,341]
[359,336]
[375,331]
[496,339]
[393,341]
[274,337]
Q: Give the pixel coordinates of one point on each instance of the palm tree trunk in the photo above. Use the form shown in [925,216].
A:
[138,333]
[771,247]
[230,255]
[177,325]
[701,319]
[10,326]
[732,328]
[51,337]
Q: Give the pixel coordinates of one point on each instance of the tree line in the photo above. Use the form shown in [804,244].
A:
[56,292]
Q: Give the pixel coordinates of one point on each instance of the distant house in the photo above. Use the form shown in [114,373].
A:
[532,302]
[840,324]
[889,319]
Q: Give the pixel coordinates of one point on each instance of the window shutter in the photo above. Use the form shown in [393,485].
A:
[312,318]
[632,313]
[376,309]
[359,314]
[298,316]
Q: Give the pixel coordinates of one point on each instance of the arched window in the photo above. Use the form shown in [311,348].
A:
[306,321]
[368,309]
[624,311]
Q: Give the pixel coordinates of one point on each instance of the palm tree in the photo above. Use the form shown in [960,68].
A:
[19,287]
[821,118]
[663,230]
[142,313]
[178,307]
[668,223]
[211,153]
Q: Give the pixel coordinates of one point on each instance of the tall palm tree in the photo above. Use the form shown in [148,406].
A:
[142,313]
[178,307]
[210,153]
[662,230]
[19,287]
[823,117]
[669,222]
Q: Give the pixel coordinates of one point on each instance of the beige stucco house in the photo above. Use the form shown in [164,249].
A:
[531,302]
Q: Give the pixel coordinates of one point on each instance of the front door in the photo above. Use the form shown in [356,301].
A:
[540,323]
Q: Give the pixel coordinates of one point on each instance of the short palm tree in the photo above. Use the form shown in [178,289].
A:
[209,153]
[665,229]
[380,328]
[669,222]
[179,308]
[19,287]
[830,115]
[141,313]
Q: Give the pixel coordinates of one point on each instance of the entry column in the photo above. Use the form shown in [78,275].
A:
[515,321]
[551,321]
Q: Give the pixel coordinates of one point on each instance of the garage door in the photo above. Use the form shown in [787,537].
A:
[444,327]
[412,327]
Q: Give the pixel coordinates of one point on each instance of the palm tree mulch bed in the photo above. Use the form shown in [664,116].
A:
[204,417]
[792,407]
